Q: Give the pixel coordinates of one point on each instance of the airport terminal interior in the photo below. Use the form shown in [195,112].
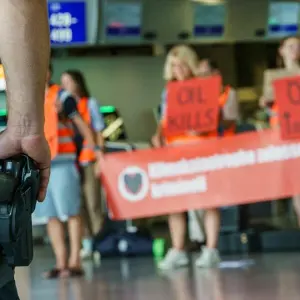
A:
[191,188]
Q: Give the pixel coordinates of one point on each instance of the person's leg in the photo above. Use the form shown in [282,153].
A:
[67,202]
[86,250]
[57,237]
[9,291]
[177,226]
[75,235]
[93,199]
[176,256]
[212,223]
[296,203]
[87,243]
[210,255]
[92,214]
[47,210]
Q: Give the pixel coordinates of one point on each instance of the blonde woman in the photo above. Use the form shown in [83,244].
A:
[182,64]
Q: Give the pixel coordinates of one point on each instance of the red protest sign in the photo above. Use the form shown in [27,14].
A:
[245,168]
[287,96]
[192,105]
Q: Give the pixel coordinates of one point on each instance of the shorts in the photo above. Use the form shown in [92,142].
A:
[63,198]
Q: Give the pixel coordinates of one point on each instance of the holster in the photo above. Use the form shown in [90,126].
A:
[19,185]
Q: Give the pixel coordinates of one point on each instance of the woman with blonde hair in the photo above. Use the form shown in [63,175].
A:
[182,64]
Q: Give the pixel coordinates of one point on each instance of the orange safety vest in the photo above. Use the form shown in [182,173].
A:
[87,155]
[274,122]
[222,101]
[191,138]
[59,134]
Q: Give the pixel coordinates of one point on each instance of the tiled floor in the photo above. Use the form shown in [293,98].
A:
[272,277]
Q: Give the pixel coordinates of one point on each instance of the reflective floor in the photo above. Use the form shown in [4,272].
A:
[272,277]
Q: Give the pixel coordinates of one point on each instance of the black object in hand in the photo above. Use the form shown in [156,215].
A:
[19,186]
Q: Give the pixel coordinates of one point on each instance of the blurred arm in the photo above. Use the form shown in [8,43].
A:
[157,139]
[98,123]
[231,110]
[84,130]
[70,110]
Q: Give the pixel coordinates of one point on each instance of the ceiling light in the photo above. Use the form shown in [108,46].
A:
[209,1]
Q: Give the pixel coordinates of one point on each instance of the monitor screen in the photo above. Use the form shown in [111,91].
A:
[122,20]
[283,19]
[209,20]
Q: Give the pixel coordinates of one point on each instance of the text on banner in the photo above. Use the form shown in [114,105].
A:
[245,168]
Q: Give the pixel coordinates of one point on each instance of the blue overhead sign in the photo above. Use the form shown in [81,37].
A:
[67,21]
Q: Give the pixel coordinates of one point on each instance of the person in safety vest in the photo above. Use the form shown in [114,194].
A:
[25,63]
[74,82]
[229,114]
[62,202]
[182,64]
[288,59]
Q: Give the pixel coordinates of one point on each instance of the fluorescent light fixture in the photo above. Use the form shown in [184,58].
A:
[103,109]
[209,2]
[107,109]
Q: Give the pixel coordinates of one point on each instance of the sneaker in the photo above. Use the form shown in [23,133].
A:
[174,259]
[209,258]
[87,248]
[86,254]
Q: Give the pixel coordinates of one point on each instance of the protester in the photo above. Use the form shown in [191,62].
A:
[288,59]
[182,64]
[74,82]
[229,115]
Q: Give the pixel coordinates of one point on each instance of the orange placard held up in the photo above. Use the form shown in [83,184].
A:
[192,105]
[287,96]
[241,169]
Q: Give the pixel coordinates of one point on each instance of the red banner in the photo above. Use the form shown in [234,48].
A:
[192,105]
[246,168]
[287,93]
